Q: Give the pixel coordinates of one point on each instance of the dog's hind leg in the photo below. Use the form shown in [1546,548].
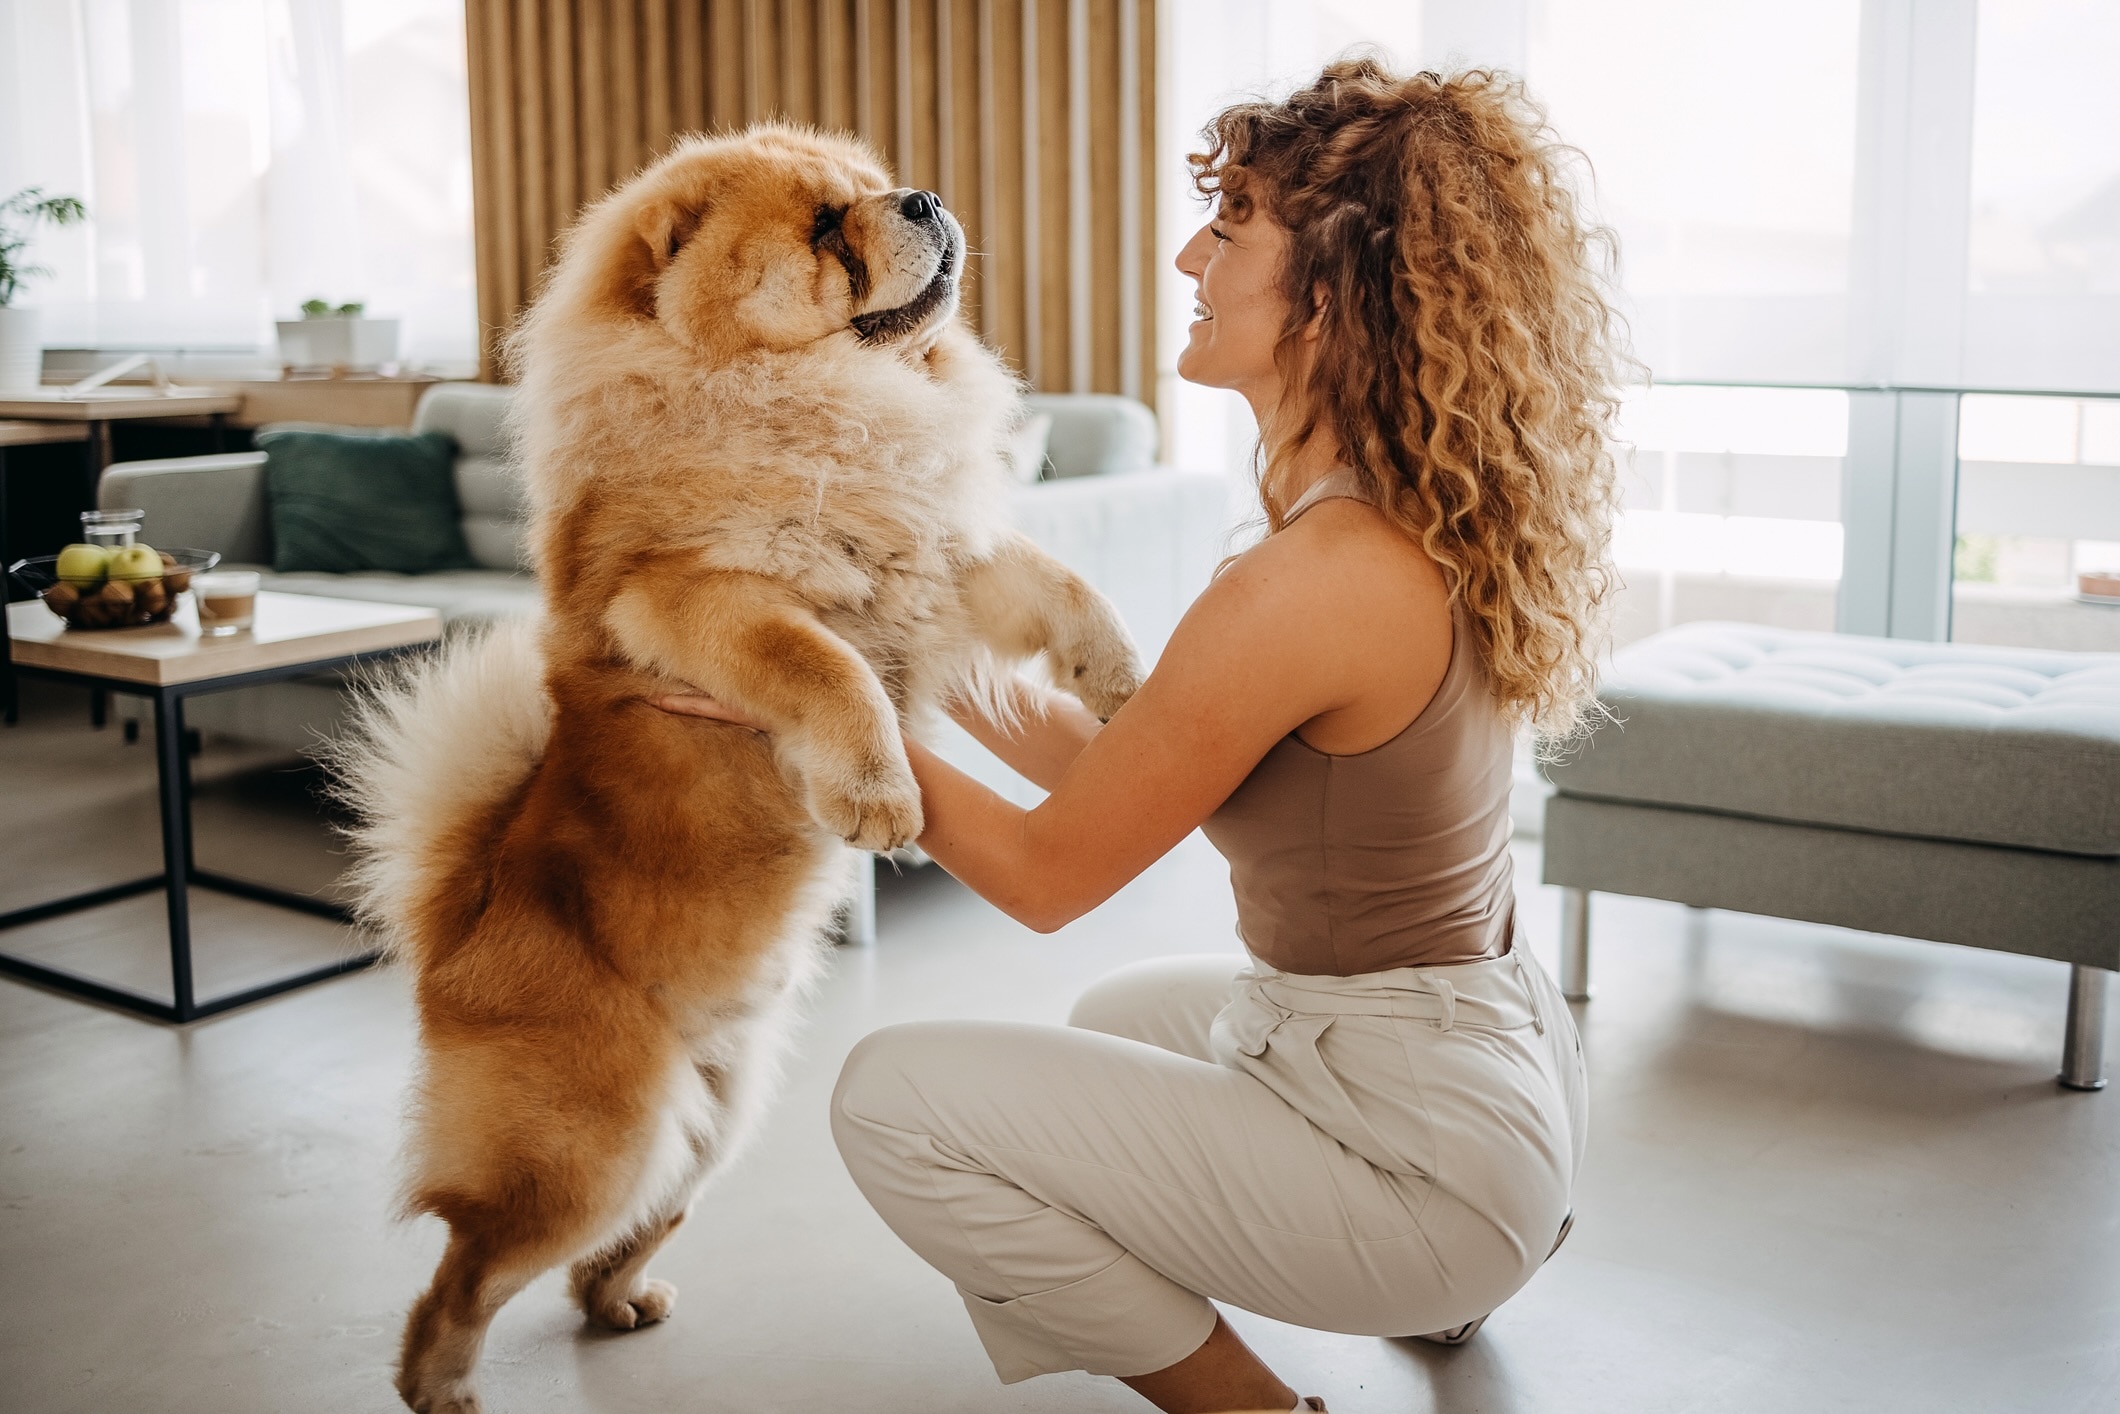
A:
[610,1286]
[447,1327]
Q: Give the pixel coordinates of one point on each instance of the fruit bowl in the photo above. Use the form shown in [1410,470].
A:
[115,602]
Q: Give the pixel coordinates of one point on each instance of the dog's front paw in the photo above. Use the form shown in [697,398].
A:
[875,807]
[1103,676]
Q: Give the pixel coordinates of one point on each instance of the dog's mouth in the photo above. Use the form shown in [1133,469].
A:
[880,326]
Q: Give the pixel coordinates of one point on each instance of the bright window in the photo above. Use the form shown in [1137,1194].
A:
[239,157]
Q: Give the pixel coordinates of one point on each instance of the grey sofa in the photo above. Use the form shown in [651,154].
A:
[1147,536]
[1948,792]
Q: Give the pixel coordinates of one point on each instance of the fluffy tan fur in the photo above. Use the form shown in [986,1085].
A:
[764,460]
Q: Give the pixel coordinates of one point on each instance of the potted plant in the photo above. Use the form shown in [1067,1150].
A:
[21,351]
[336,339]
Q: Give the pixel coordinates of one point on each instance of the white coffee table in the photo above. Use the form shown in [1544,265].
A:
[295,634]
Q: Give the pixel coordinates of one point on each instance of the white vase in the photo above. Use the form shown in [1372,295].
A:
[361,345]
[21,353]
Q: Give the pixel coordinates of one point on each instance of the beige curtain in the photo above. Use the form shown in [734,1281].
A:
[1033,119]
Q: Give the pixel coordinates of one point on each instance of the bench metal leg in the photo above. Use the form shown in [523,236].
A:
[1575,944]
[2083,1046]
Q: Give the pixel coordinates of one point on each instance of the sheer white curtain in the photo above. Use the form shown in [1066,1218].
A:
[1857,193]
[1809,191]
[2043,254]
[239,157]
[1216,52]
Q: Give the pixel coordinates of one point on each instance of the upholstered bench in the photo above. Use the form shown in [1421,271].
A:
[1943,791]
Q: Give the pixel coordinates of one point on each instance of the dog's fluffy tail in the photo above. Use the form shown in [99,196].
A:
[433,752]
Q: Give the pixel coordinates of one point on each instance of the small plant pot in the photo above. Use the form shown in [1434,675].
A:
[338,345]
[21,351]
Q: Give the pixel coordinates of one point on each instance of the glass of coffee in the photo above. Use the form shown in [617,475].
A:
[227,599]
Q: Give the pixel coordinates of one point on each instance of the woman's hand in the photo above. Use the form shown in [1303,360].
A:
[699,704]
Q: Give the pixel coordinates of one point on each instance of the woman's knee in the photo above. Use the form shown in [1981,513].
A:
[881,1118]
[919,1077]
[879,1080]
[1163,1001]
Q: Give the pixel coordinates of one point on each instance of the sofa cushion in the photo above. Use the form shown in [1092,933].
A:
[1939,740]
[475,415]
[352,501]
[1095,434]
[489,489]
[490,493]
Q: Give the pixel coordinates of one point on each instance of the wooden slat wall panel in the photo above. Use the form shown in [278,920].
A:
[964,177]
[729,78]
[1139,375]
[1051,362]
[1105,257]
[1033,119]
[688,57]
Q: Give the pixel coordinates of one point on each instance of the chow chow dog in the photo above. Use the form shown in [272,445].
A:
[764,461]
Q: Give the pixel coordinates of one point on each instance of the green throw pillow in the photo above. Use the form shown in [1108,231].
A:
[348,501]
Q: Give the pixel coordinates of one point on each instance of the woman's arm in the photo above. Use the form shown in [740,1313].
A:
[1336,624]
[1047,732]
[1308,623]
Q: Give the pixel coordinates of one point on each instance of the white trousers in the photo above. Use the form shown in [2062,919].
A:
[1386,1154]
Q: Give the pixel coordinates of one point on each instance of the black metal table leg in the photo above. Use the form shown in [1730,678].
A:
[10,707]
[97,456]
[180,871]
[173,782]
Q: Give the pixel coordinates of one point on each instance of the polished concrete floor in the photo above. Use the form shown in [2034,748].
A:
[1827,1171]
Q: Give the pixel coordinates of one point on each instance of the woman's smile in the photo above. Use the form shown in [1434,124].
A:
[1233,333]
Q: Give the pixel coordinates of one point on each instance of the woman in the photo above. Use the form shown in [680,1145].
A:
[1376,1128]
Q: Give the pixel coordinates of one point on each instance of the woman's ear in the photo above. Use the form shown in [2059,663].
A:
[1320,300]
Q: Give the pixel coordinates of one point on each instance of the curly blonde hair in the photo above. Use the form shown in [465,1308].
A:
[1467,359]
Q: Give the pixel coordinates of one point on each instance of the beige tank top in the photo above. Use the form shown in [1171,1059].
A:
[1393,857]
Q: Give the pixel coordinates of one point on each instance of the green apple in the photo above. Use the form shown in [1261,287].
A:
[83,566]
[135,562]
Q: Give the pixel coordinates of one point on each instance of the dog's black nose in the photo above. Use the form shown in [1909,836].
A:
[920,206]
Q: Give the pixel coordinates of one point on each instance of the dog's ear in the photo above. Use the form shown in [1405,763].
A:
[663,225]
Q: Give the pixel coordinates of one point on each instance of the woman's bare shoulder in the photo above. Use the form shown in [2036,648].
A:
[1344,556]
